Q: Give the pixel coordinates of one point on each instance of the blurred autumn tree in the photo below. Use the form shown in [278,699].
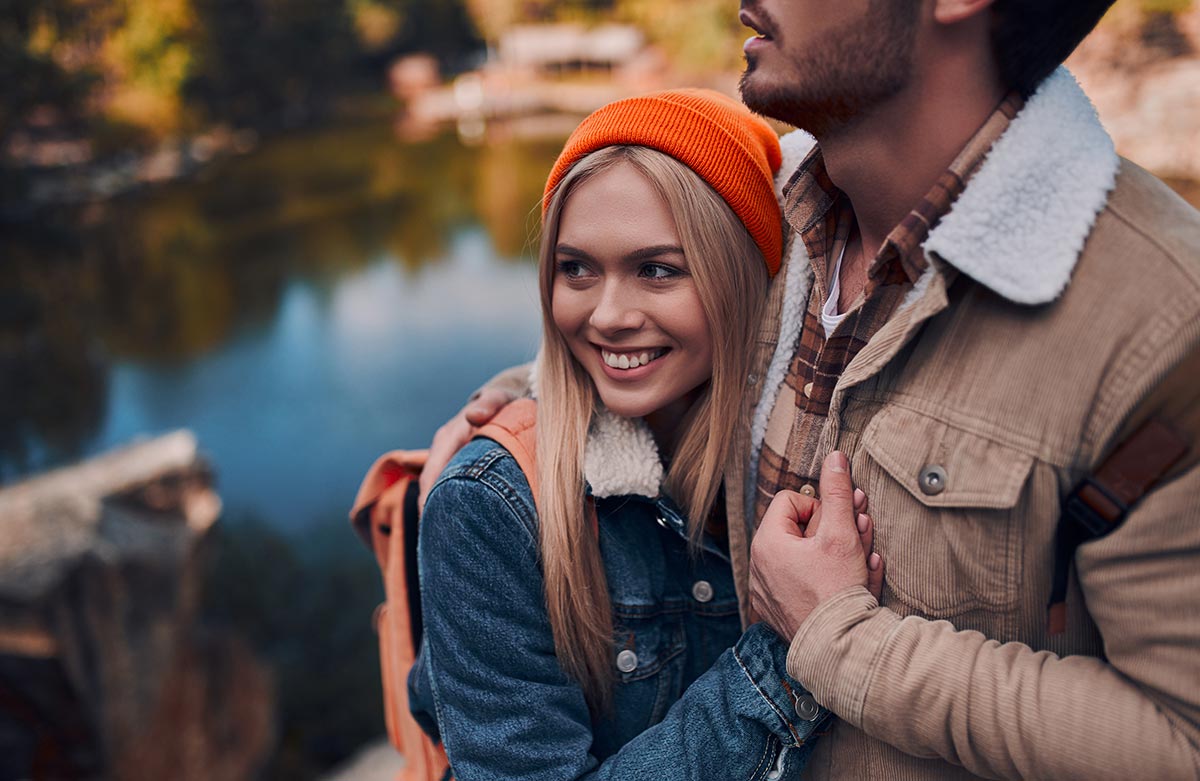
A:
[149,69]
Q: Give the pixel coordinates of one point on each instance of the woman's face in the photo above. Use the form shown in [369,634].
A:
[623,297]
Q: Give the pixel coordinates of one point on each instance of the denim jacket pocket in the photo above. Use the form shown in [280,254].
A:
[943,499]
[648,655]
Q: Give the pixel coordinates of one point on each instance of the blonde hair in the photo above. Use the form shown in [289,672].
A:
[730,277]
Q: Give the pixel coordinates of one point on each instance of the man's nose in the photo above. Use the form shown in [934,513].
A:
[616,310]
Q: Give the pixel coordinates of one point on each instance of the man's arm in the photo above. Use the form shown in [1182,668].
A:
[1007,711]
[479,410]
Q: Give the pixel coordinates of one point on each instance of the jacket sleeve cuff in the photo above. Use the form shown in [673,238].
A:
[797,716]
[836,648]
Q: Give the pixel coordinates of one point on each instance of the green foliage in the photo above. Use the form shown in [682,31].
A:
[151,68]
[150,56]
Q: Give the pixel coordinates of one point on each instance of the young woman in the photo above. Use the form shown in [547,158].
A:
[592,631]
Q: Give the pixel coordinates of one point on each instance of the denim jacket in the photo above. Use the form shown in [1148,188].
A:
[694,697]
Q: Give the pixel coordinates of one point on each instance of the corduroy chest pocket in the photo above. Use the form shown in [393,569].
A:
[945,500]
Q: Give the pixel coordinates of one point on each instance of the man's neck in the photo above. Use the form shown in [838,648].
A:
[887,161]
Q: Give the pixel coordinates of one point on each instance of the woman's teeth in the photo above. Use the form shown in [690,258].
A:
[631,360]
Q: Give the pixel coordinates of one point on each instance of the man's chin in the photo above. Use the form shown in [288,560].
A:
[759,98]
[767,100]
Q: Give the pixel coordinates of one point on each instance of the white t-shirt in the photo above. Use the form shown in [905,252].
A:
[829,313]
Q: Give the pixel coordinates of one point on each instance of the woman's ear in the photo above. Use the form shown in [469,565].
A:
[955,11]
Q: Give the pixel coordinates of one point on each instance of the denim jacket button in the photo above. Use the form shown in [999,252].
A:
[807,707]
[702,591]
[627,661]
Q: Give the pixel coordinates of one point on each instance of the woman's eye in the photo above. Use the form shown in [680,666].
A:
[572,269]
[658,271]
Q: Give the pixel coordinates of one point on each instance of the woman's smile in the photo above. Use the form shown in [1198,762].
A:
[626,360]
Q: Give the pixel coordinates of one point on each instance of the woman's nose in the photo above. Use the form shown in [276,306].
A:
[616,310]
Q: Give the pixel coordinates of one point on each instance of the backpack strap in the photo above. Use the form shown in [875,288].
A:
[382,496]
[514,428]
[1157,443]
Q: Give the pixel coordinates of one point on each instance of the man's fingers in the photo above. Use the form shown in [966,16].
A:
[875,576]
[837,497]
[481,409]
[448,440]
[791,508]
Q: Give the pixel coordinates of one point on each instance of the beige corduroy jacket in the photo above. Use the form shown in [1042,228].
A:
[1064,284]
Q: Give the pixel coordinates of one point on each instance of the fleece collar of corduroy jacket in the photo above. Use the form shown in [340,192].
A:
[1019,226]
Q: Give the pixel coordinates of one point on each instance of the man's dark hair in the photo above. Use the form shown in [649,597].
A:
[1030,38]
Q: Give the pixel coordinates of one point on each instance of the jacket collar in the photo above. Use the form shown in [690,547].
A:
[1019,226]
[621,458]
[1022,221]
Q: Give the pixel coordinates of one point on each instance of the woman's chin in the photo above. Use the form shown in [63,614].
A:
[626,407]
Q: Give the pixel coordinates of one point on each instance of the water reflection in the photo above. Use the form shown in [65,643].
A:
[301,309]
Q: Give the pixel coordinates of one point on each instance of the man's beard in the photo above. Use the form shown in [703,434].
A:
[840,77]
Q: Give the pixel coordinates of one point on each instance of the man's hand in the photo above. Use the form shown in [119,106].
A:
[457,432]
[806,551]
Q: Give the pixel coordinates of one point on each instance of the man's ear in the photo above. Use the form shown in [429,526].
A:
[954,11]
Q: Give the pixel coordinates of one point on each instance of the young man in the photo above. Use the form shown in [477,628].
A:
[980,302]
[994,293]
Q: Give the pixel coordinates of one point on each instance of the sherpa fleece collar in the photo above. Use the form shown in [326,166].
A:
[1021,223]
[621,458]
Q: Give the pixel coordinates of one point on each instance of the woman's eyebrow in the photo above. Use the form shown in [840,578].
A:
[655,251]
[567,249]
[658,250]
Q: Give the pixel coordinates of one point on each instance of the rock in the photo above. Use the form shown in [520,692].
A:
[105,671]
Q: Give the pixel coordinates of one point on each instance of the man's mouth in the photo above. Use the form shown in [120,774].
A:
[632,359]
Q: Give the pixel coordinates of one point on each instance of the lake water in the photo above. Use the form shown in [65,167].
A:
[302,310]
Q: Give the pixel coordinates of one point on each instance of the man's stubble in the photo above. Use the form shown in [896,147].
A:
[834,81]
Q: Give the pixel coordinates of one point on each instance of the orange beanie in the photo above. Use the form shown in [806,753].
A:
[734,151]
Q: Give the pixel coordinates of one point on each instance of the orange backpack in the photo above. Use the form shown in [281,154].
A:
[385,517]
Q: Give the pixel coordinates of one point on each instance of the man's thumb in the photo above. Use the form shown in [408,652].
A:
[837,496]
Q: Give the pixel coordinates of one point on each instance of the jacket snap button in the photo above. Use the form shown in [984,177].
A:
[808,490]
[807,707]
[932,479]
[627,661]
[702,591]
[808,389]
